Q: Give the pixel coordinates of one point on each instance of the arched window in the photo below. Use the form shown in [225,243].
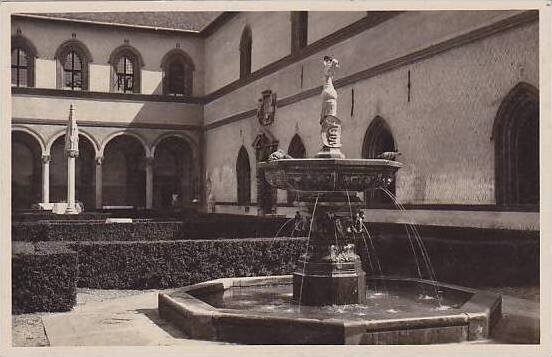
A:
[73,59]
[297,151]
[516,137]
[23,55]
[378,139]
[178,70]
[299,30]
[72,71]
[245,52]
[243,171]
[126,64]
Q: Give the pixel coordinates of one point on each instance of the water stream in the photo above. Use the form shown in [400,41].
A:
[307,249]
[421,246]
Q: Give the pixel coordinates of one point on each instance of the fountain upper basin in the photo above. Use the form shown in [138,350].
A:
[329,174]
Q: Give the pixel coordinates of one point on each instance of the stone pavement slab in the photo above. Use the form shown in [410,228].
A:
[127,321]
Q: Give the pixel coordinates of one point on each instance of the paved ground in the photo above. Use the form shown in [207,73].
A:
[126,317]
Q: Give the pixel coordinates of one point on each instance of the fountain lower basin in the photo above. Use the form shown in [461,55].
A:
[261,311]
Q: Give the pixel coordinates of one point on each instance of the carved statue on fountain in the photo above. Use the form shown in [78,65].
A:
[331,125]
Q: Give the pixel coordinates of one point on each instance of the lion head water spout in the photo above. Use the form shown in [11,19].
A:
[330,272]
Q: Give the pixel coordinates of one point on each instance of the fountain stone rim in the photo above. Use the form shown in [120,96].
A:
[329,174]
[201,320]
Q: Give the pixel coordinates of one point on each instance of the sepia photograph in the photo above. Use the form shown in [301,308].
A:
[283,176]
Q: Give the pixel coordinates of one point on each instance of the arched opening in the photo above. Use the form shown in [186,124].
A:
[243,172]
[23,54]
[266,194]
[246,44]
[172,174]
[124,172]
[26,170]
[84,172]
[178,73]
[378,139]
[73,59]
[126,63]
[297,151]
[516,136]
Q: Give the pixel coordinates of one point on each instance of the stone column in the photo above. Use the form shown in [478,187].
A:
[99,200]
[46,178]
[149,182]
[71,207]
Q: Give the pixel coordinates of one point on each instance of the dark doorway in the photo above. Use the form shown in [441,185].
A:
[84,172]
[172,173]
[266,194]
[26,170]
[516,136]
[378,139]
[124,172]
[243,173]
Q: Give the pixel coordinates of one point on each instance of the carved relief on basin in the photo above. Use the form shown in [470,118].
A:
[330,174]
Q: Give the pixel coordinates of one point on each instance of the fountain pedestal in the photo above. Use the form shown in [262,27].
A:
[329,283]
[329,272]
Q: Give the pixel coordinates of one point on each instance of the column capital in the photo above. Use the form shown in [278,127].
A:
[46,159]
[99,160]
[72,153]
[149,160]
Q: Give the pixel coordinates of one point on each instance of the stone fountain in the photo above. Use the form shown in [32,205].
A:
[329,273]
[325,301]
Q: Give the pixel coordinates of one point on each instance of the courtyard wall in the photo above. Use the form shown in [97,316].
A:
[444,131]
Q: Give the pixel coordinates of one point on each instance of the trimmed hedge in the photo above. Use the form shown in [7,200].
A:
[476,260]
[199,228]
[44,277]
[164,264]
[49,216]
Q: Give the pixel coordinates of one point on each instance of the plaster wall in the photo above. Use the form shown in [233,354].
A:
[526,221]
[443,132]
[104,110]
[271,40]
[221,152]
[48,36]
[324,23]
[387,41]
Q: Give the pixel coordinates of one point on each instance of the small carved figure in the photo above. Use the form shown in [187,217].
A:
[266,108]
[389,155]
[333,252]
[300,224]
[349,250]
[331,132]
[329,94]
[278,155]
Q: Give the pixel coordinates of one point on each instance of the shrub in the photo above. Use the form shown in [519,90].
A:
[44,277]
[199,228]
[164,264]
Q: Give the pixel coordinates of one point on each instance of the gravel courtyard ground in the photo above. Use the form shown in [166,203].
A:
[129,317]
